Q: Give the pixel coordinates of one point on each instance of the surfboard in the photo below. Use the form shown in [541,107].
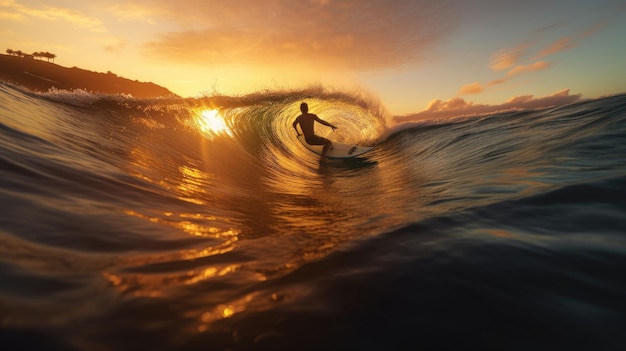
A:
[338,150]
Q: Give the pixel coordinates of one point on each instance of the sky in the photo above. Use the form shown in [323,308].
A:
[416,56]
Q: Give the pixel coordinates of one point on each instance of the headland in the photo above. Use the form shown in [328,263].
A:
[41,76]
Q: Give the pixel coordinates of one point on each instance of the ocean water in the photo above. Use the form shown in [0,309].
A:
[203,224]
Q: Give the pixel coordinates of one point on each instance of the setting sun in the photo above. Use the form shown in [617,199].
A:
[212,123]
[312,174]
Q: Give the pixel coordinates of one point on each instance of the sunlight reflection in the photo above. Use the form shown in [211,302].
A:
[213,272]
[213,124]
[154,284]
[228,310]
[195,229]
[193,183]
[151,275]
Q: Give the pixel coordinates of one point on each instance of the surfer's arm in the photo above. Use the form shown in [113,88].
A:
[325,123]
[295,123]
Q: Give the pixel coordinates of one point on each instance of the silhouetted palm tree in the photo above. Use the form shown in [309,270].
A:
[48,55]
[39,55]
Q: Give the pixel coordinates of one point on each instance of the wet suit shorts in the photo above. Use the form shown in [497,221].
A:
[315,140]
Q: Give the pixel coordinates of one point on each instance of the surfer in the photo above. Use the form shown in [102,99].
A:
[306,121]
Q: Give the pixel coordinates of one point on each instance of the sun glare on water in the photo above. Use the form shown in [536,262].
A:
[212,123]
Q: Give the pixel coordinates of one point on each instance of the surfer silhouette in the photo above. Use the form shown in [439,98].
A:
[306,121]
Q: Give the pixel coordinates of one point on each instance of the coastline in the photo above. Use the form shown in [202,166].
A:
[41,76]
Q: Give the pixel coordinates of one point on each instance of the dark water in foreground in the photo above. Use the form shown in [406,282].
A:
[180,225]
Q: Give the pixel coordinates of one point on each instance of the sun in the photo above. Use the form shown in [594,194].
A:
[212,123]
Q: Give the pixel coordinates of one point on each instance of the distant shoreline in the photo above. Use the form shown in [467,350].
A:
[41,76]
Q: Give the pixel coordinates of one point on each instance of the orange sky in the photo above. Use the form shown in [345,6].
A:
[412,55]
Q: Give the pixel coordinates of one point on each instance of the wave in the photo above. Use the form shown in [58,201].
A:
[211,213]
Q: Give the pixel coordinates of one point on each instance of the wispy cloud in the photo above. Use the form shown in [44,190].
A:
[558,46]
[507,58]
[371,34]
[10,15]
[523,69]
[473,88]
[519,69]
[530,56]
[115,46]
[10,9]
[512,61]
[137,11]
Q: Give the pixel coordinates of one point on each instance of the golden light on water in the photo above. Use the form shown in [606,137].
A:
[228,311]
[212,123]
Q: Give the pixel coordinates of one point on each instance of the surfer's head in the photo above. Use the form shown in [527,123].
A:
[304,107]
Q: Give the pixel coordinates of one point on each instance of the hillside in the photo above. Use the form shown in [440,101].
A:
[40,75]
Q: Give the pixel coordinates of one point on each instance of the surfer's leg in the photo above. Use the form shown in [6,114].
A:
[327,146]
[318,140]
[315,140]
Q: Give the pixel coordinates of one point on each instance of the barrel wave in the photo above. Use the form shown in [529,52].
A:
[203,223]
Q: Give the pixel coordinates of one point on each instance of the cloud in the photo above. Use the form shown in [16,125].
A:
[506,58]
[522,69]
[22,13]
[115,46]
[12,16]
[457,107]
[513,60]
[519,70]
[74,17]
[558,46]
[496,82]
[127,11]
[473,88]
[362,35]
